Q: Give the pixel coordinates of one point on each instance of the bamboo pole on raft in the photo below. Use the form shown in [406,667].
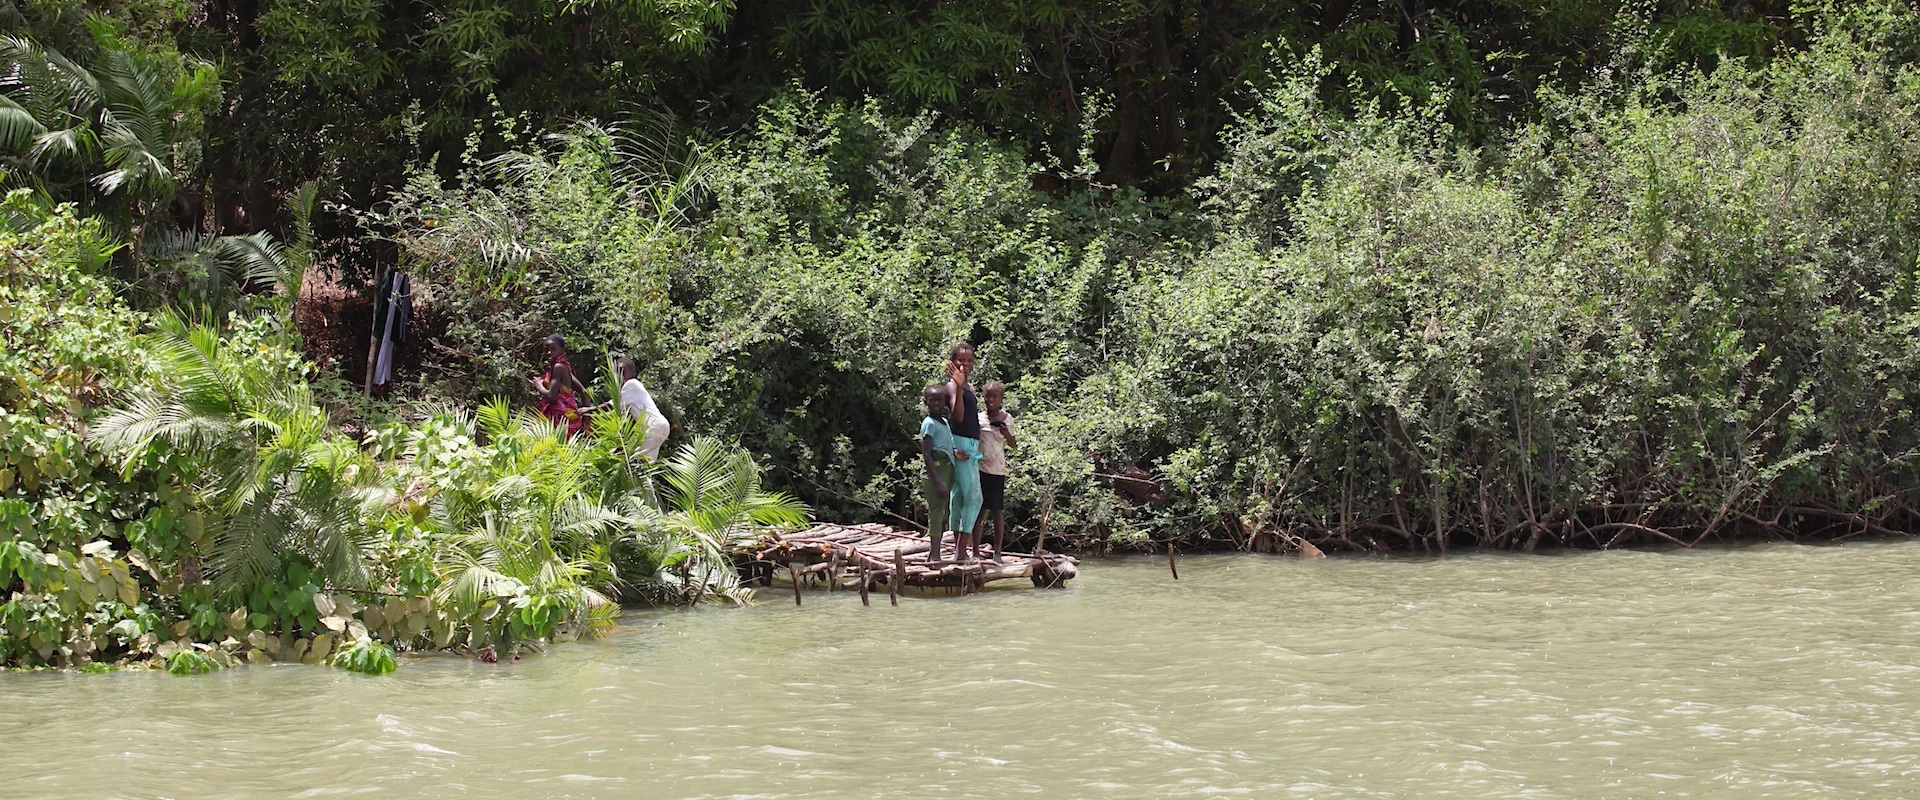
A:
[898,577]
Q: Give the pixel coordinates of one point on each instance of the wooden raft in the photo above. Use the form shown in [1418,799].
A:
[860,557]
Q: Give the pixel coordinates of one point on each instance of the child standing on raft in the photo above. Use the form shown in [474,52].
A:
[936,452]
[996,435]
[965,415]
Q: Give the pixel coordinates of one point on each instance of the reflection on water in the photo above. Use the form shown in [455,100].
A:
[1776,671]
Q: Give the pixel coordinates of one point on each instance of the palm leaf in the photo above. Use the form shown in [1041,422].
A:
[18,127]
[256,258]
[133,162]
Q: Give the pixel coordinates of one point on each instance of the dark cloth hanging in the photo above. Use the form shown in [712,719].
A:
[380,290]
[406,304]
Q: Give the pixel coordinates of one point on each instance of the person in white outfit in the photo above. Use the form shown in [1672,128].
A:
[638,403]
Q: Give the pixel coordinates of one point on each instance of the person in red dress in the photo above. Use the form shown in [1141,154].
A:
[559,390]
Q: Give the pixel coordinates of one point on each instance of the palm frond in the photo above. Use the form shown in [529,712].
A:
[76,143]
[256,258]
[18,127]
[300,253]
[82,87]
[586,520]
[495,418]
[473,583]
[247,547]
[47,73]
[777,510]
[133,163]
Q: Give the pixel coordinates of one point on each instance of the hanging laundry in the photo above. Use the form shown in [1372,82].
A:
[406,306]
[399,308]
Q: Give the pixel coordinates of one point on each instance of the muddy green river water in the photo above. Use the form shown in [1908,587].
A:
[1768,671]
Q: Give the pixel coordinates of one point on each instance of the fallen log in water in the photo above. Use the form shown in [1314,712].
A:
[859,556]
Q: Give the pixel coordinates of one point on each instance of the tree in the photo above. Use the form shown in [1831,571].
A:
[115,135]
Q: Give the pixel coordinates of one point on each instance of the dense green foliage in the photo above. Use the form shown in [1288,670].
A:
[69,347]
[172,489]
[170,485]
[323,89]
[1675,306]
[1151,79]
[1673,310]
[109,126]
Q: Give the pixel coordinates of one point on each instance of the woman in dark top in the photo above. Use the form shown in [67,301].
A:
[964,505]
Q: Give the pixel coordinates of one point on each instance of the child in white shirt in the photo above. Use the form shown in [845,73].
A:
[996,435]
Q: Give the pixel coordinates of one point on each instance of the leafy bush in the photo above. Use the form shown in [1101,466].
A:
[82,543]
[702,505]
[796,307]
[365,656]
[177,493]
[279,481]
[492,531]
[111,125]
[193,662]
[1676,306]
[1670,311]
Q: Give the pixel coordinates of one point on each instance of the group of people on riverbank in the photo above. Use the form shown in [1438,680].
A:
[963,447]
[963,441]
[560,392]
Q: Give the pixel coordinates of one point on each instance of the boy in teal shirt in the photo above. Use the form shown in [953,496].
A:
[936,452]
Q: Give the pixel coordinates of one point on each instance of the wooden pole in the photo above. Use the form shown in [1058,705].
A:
[1173,560]
[1046,510]
[373,336]
[794,572]
[863,585]
[1043,570]
[898,577]
[833,569]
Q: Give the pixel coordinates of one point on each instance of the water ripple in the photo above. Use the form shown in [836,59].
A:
[1776,671]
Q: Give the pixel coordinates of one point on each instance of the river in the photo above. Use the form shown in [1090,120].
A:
[1764,671]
